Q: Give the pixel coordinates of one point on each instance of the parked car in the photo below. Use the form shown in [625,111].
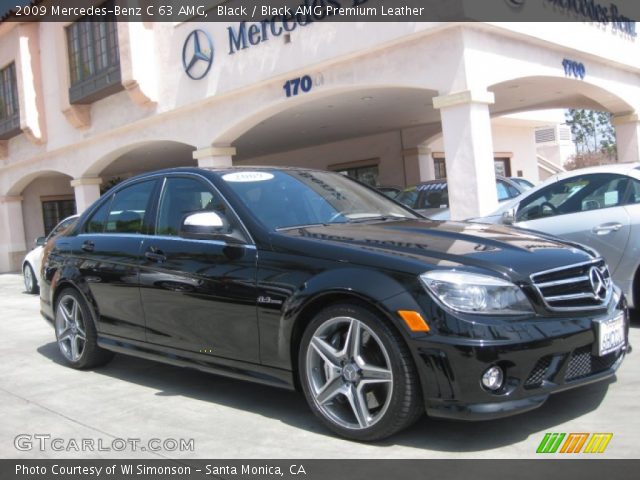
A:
[523,182]
[391,192]
[308,279]
[33,259]
[431,198]
[597,206]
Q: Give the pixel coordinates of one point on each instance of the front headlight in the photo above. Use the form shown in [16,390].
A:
[475,293]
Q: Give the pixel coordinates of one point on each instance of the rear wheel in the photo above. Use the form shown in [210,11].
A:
[358,375]
[30,283]
[76,333]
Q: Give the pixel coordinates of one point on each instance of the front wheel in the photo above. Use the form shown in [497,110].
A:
[357,374]
[76,333]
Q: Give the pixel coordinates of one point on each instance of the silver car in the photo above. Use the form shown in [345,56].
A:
[597,206]
[431,198]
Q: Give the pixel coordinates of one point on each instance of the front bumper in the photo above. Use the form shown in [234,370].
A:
[539,356]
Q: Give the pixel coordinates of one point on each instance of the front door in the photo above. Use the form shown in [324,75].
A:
[588,209]
[198,295]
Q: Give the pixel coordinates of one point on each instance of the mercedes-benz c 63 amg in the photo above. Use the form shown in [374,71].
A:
[310,280]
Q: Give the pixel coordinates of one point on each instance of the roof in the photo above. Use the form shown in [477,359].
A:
[626,168]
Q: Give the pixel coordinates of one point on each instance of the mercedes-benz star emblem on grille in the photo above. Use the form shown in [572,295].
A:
[598,283]
[197,54]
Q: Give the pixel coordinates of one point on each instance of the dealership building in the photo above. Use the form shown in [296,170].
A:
[86,104]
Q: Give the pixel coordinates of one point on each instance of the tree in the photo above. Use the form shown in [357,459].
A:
[593,132]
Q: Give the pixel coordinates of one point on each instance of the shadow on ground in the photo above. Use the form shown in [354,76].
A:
[290,407]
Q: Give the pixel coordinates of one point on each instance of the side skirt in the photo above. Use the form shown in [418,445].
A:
[274,377]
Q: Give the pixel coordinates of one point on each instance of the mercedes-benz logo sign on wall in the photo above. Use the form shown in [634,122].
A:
[197,54]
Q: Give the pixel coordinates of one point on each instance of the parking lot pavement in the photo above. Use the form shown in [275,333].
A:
[137,399]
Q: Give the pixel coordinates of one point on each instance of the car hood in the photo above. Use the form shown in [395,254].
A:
[417,245]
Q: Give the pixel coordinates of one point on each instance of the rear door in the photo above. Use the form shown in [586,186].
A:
[108,255]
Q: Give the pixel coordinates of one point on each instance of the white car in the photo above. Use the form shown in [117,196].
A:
[596,206]
[33,259]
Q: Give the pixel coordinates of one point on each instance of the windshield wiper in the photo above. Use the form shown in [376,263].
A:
[379,218]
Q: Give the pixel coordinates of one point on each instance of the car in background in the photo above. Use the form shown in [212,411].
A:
[431,198]
[391,192]
[310,280]
[33,259]
[523,182]
[596,206]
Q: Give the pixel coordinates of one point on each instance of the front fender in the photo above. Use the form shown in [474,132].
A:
[281,327]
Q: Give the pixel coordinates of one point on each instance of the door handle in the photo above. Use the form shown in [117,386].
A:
[155,254]
[606,228]
[88,246]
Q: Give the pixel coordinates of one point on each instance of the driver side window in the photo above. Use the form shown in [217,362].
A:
[181,197]
[572,195]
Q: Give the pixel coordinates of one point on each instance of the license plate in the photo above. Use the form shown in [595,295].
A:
[610,334]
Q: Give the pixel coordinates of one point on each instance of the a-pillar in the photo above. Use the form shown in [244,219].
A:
[418,165]
[468,150]
[627,137]
[12,241]
[215,157]
[87,191]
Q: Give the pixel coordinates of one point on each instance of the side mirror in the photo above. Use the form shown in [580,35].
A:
[509,216]
[206,226]
[40,241]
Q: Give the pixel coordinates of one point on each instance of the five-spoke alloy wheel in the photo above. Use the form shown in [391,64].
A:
[70,329]
[357,374]
[75,331]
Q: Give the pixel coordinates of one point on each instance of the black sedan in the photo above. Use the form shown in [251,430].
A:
[306,279]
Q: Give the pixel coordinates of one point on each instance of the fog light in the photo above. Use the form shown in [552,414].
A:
[492,378]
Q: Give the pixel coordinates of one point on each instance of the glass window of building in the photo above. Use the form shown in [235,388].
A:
[9,110]
[440,168]
[55,210]
[94,58]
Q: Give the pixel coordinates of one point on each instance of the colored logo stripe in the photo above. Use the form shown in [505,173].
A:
[550,443]
[598,442]
[574,443]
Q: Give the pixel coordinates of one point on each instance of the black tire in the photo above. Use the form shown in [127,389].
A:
[30,283]
[401,394]
[77,353]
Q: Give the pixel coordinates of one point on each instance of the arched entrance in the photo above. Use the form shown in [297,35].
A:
[31,208]
[366,132]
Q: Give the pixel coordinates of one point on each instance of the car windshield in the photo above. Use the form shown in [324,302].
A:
[291,198]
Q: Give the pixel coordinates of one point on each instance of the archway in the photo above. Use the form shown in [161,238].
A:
[141,157]
[359,130]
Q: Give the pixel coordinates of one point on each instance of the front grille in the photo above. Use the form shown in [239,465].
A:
[582,363]
[582,286]
[538,373]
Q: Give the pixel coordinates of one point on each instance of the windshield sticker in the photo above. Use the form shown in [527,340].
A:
[247,177]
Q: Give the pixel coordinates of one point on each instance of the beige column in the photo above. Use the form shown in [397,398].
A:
[418,164]
[87,191]
[468,149]
[215,157]
[12,241]
[627,137]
